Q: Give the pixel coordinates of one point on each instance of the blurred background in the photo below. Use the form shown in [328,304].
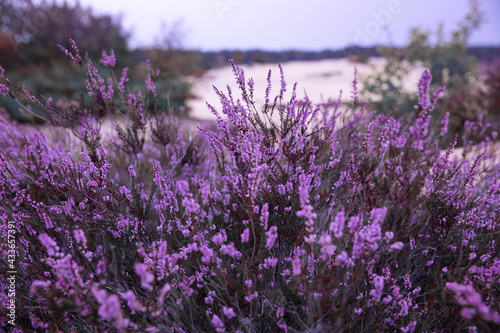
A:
[319,42]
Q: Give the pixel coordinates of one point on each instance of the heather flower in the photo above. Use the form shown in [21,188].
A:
[297,266]
[245,236]
[231,251]
[207,254]
[353,224]
[444,124]
[132,302]
[283,85]
[49,244]
[218,239]
[4,90]
[190,205]
[396,246]
[110,308]
[131,170]
[248,283]
[209,299]
[423,90]
[124,79]
[378,215]
[146,277]
[388,235]
[228,312]
[182,187]
[337,226]
[163,292]
[410,328]
[37,284]
[387,299]
[272,235]
[80,237]
[149,81]
[376,294]
[264,215]
[467,296]
[253,296]
[217,322]
[77,59]
[108,61]
[366,239]
[341,258]
[281,189]
[327,248]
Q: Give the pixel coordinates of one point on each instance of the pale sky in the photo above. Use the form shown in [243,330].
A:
[293,24]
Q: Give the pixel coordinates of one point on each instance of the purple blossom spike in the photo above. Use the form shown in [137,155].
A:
[108,61]
[272,235]
[146,277]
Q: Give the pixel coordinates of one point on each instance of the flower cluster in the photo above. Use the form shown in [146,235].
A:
[291,217]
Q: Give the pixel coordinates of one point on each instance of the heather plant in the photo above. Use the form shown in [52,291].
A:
[294,217]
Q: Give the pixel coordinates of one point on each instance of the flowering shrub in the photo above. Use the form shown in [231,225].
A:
[296,217]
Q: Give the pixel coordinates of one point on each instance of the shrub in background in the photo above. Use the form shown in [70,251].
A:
[278,219]
[449,65]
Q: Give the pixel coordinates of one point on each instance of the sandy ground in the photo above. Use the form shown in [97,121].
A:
[320,80]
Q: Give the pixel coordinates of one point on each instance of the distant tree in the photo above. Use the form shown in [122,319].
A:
[32,31]
[449,65]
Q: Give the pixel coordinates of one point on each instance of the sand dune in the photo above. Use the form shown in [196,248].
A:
[320,80]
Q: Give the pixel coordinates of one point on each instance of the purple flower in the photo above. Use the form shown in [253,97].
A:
[3,89]
[410,328]
[248,283]
[245,236]
[231,251]
[149,82]
[423,90]
[297,266]
[396,247]
[378,215]
[131,170]
[281,189]
[353,224]
[264,215]
[218,239]
[376,294]
[217,322]
[207,254]
[182,187]
[337,226]
[132,302]
[80,237]
[228,312]
[49,244]
[110,308]
[190,205]
[108,61]
[124,79]
[272,235]
[283,82]
[444,124]
[145,275]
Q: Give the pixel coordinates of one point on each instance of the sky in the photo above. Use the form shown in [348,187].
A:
[293,24]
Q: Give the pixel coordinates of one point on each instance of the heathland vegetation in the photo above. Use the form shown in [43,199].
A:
[296,216]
